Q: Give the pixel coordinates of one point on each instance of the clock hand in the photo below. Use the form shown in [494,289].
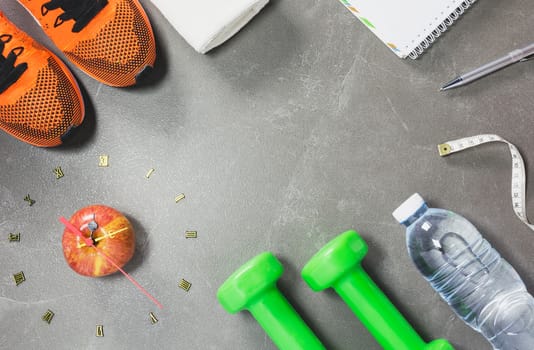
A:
[106,235]
[110,234]
[89,242]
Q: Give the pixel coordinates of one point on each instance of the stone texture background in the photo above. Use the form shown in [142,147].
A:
[300,127]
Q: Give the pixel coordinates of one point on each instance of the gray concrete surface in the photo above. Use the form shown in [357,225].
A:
[300,127]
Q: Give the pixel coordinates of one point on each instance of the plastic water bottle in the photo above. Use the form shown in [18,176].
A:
[481,287]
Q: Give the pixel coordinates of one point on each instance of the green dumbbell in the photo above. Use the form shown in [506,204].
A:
[253,287]
[337,265]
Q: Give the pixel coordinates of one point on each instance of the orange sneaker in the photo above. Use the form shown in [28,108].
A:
[111,40]
[40,101]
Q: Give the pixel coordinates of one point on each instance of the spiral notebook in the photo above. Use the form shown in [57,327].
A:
[408,27]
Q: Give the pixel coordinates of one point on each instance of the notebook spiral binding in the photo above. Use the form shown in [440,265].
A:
[449,21]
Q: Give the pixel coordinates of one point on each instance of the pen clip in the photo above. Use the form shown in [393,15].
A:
[527,58]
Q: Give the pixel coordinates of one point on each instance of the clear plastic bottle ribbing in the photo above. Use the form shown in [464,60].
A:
[481,287]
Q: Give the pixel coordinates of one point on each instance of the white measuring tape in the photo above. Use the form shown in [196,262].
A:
[518,168]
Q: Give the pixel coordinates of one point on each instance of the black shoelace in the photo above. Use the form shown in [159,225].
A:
[81,11]
[9,73]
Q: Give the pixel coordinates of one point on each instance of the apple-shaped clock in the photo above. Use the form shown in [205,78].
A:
[98,241]
[109,231]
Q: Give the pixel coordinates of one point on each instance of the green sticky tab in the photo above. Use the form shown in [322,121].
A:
[367,22]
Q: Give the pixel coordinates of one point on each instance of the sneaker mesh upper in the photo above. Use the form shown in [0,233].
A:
[42,103]
[134,47]
[114,45]
[46,111]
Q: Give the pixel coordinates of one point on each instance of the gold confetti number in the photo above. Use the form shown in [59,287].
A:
[184,285]
[150,172]
[19,278]
[14,237]
[190,234]
[179,197]
[48,316]
[29,200]
[59,173]
[153,318]
[103,160]
[99,330]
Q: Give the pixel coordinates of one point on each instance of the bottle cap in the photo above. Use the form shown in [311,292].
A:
[408,208]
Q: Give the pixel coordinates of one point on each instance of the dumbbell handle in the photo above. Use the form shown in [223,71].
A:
[377,313]
[282,323]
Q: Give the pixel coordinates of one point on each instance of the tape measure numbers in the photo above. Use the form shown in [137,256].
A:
[518,189]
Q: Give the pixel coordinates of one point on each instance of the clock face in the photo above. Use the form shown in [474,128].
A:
[57,280]
[61,279]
